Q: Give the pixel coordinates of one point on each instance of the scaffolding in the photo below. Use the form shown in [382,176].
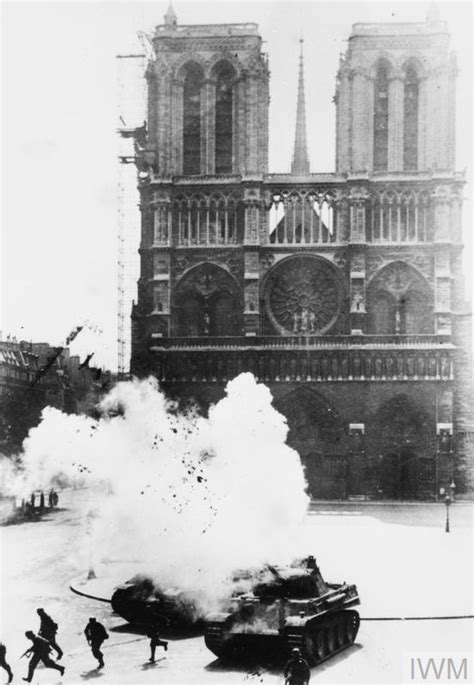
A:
[131,117]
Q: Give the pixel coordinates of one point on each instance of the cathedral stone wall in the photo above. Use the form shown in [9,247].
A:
[343,292]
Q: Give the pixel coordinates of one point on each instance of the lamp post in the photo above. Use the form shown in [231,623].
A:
[447,500]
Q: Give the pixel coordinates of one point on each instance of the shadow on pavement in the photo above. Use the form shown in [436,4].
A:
[251,666]
[95,673]
[169,633]
[148,665]
[19,516]
[130,628]
[256,668]
[338,658]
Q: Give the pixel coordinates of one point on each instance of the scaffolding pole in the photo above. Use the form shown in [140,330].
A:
[131,115]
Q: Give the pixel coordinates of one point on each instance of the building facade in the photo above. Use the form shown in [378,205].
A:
[343,292]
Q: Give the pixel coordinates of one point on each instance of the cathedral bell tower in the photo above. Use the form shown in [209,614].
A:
[207,100]
[395,99]
[201,170]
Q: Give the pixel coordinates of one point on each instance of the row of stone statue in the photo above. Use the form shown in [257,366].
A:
[277,366]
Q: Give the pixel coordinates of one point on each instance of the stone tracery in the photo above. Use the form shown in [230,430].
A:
[304,296]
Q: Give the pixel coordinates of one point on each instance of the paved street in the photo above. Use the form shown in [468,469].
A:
[403,562]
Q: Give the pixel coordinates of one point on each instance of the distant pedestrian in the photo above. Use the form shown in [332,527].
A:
[32,500]
[95,634]
[50,499]
[48,630]
[55,498]
[42,500]
[155,641]
[40,650]
[3,662]
[296,671]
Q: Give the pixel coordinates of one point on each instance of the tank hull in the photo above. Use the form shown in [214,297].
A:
[297,609]
[318,639]
[139,602]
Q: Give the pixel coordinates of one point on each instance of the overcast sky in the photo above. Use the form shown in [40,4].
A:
[59,107]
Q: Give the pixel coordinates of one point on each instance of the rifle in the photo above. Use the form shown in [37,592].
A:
[25,653]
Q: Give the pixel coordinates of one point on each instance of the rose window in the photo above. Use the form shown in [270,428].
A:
[304,296]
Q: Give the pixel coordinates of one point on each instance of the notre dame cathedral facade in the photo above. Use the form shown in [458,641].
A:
[343,292]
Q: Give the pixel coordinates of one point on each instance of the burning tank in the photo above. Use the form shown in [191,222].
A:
[140,600]
[287,607]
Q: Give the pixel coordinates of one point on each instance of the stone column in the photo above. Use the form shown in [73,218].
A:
[159,318]
[442,240]
[251,166]
[253,209]
[176,166]
[360,107]
[163,139]
[422,124]
[208,127]
[395,122]
[251,292]
[264,101]
[343,124]
[161,218]
[240,132]
[434,119]
[451,114]
[442,293]
[344,224]
[358,312]
[151,115]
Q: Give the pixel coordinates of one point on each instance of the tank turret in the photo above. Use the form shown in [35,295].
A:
[287,607]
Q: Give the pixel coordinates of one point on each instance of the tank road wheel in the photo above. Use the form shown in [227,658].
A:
[352,626]
[308,648]
[332,638]
[321,644]
[340,631]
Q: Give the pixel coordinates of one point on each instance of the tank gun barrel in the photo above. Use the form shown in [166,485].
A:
[274,572]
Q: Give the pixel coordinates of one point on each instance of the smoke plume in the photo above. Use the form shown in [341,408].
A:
[189,498]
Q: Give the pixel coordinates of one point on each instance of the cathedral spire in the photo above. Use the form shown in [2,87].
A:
[433,16]
[300,164]
[170,16]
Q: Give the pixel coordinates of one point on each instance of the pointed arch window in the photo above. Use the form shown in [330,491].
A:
[192,120]
[381,118]
[410,120]
[224,117]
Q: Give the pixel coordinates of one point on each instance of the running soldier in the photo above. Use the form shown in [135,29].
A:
[155,641]
[40,650]
[3,662]
[48,630]
[95,634]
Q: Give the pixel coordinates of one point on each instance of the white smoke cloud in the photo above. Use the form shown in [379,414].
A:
[190,498]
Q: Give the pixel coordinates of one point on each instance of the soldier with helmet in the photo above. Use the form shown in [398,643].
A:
[3,662]
[296,671]
[40,650]
[48,630]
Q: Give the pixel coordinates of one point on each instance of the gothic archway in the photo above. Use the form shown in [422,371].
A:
[399,301]
[401,432]
[207,301]
[317,434]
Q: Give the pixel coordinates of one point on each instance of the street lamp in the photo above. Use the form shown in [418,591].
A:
[447,500]
[452,487]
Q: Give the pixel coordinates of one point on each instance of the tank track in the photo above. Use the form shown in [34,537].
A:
[321,638]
